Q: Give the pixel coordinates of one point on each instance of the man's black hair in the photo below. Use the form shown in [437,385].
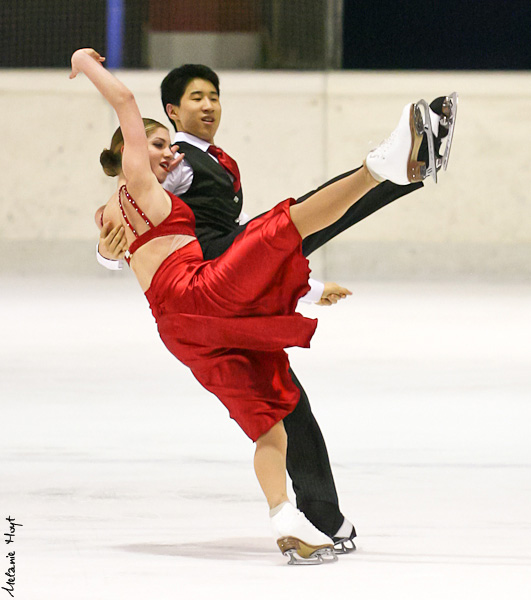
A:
[174,84]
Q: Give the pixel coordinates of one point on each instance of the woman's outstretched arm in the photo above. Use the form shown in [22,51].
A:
[135,159]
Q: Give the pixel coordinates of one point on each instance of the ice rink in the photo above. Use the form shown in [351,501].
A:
[129,481]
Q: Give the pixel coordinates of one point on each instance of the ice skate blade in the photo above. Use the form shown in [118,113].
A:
[300,553]
[431,167]
[450,113]
[344,546]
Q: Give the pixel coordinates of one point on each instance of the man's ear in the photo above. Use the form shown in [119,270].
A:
[172,111]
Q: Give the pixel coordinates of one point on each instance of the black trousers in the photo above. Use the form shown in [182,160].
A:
[308,463]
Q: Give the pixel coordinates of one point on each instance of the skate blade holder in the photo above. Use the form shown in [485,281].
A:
[449,116]
[319,557]
[300,553]
[344,546]
[423,125]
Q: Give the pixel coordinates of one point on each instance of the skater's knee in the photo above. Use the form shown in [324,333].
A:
[276,437]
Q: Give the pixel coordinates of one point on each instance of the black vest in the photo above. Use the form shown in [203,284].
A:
[211,196]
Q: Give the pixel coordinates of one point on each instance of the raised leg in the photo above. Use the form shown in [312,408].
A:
[329,204]
[371,202]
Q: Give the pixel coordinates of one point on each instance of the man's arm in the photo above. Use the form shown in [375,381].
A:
[180,178]
[315,293]
[324,294]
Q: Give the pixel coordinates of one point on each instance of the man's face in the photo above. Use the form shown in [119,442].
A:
[200,111]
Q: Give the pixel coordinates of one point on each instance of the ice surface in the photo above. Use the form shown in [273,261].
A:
[131,482]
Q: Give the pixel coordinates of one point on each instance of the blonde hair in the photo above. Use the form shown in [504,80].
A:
[111,158]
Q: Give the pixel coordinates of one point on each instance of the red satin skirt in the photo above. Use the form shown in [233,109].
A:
[229,319]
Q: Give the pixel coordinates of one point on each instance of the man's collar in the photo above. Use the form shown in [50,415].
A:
[182,136]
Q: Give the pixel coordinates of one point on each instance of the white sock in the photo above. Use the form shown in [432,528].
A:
[345,530]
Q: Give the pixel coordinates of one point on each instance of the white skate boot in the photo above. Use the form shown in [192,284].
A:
[396,158]
[299,539]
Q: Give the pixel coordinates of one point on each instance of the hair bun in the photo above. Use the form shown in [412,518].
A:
[110,163]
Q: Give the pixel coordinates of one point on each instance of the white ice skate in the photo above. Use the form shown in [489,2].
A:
[396,158]
[299,539]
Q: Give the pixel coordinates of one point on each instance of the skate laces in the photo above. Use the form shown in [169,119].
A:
[381,150]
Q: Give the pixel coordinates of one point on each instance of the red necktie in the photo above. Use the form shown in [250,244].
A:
[228,163]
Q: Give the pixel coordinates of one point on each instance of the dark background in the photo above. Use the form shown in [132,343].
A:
[391,34]
[465,34]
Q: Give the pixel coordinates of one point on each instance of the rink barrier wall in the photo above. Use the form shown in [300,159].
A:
[289,132]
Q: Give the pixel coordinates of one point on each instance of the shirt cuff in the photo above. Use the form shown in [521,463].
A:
[315,293]
[112,265]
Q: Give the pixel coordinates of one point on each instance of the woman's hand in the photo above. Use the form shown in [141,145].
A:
[76,56]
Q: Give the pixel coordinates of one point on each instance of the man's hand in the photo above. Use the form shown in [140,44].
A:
[177,158]
[332,293]
[113,242]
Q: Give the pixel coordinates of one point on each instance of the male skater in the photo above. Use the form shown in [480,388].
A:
[208,180]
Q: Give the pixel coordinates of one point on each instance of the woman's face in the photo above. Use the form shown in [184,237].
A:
[160,155]
[160,158]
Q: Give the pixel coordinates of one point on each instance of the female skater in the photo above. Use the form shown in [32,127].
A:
[229,319]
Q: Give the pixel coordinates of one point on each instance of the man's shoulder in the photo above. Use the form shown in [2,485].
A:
[189,147]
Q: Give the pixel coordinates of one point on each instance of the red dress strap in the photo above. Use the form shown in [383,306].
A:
[135,206]
[132,202]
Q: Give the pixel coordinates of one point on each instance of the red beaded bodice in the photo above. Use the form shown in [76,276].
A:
[180,221]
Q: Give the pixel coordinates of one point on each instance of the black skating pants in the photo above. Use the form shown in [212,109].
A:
[307,457]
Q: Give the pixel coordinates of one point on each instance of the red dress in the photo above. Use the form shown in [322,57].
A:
[229,319]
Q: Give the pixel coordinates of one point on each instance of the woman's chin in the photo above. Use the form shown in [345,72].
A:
[161,177]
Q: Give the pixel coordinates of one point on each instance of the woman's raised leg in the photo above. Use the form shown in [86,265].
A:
[395,159]
[329,204]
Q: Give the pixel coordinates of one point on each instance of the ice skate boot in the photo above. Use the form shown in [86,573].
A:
[396,158]
[344,538]
[298,539]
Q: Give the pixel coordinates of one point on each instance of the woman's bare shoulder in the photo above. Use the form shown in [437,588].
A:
[112,210]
